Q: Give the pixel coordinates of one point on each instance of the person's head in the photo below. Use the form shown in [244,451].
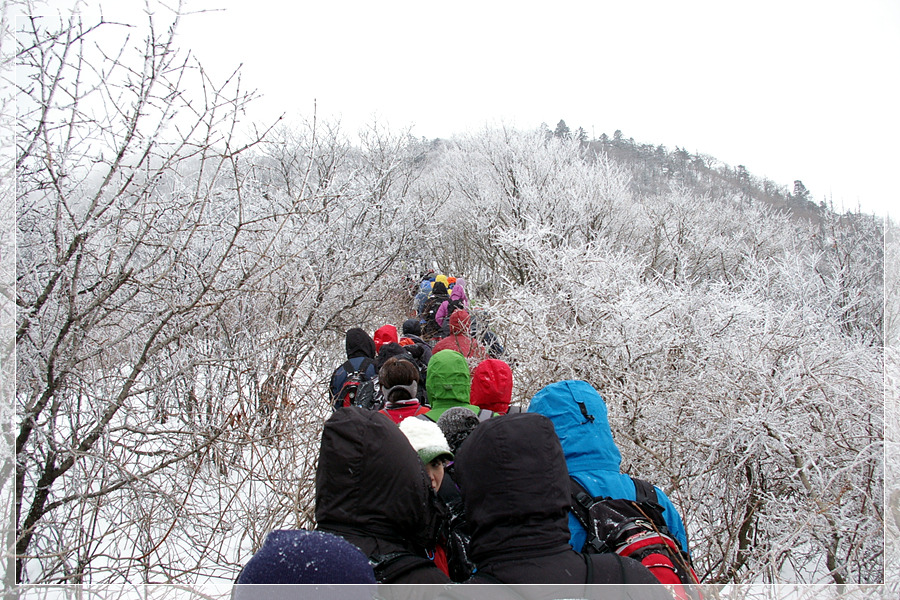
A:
[492,385]
[580,417]
[439,288]
[458,292]
[428,441]
[385,334]
[302,557]
[371,482]
[359,343]
[456,424]
[448,382]
[412,327]
[460,322]
[512,475]
[442,279]
[399,379]
[390,350]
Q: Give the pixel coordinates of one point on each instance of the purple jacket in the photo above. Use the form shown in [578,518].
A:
[457,293]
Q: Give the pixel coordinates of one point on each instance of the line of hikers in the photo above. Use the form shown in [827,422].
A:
[390,370]
[448,484]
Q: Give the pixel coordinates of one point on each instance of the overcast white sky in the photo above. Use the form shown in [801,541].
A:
[791,89]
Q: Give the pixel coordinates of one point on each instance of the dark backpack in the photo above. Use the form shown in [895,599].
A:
[636,529]
[368,395]
[430,327]
[347,395]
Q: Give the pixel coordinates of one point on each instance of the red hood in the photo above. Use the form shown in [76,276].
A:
[460,323]
[492,385]
[385,335]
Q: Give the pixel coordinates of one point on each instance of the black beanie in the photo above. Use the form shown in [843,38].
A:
[457,423]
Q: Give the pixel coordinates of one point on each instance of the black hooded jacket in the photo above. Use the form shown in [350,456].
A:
[372,490]
[360,347]
[515,487]
[359,344]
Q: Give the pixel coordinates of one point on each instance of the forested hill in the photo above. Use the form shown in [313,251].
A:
[182,298]
[654,167]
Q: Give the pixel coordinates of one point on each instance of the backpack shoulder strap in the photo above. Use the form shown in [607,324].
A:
[581,508]
[644,491]
[580,496]
[645,495]
[484,415]
[365,364]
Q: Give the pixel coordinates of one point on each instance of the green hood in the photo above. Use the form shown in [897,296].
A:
[448,383]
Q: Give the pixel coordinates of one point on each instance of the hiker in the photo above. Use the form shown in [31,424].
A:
[422,296]
[451,551]
[492,386]
[457,300]
[297,556]
[360,366]
[399,381]
[579,415]
[372,490]
[460,338]
[449,384]
[410,353]
[430,327]
[389,350]
[515,489]
[456,424]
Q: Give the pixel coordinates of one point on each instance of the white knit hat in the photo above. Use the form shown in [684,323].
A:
[426,438]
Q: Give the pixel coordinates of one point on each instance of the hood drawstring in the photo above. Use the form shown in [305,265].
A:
[584,412]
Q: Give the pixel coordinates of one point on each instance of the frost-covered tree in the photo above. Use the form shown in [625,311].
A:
[736,377]
[181,293]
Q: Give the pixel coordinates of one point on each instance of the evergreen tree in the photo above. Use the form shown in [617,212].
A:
[800,191]
[581,134]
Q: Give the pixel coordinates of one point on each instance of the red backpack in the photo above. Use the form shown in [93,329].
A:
[353,390]
[636,529]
